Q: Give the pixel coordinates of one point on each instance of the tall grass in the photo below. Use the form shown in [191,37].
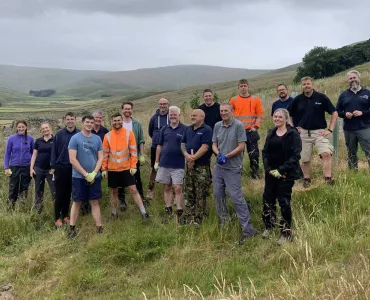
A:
[328,259]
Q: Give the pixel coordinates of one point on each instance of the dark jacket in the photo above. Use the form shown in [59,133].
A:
[156,123]
[292,153]
[59,151]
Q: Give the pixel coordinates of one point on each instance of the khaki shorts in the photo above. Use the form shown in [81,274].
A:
[322,144]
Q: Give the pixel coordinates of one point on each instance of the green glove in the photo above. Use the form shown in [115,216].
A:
[156,166]
[104,174]
[133,171]
[276,174]
[90,176]
[142,159]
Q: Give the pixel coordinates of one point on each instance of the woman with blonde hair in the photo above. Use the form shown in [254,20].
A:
[281,155]
[40,165]
[17,160]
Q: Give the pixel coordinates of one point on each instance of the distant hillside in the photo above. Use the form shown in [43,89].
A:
[164,78]
[23,79]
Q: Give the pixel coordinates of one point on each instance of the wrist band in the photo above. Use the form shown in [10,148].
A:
[331,131]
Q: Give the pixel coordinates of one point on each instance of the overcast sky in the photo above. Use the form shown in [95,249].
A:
[132,34]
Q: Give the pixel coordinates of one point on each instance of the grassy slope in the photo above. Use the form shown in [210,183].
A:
[329,258]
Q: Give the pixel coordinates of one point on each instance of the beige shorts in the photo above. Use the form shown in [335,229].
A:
[322,144]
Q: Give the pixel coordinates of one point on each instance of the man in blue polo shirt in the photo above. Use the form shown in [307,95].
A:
[195,145]
[354,107]
[170,162]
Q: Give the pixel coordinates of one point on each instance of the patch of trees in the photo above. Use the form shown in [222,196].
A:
[323,62]
[42,93]
[105,95]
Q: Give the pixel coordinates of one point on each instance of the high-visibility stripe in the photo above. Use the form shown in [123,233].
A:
[119,152]
[118,160]
[132,147]
[106,150]
[133,153]
[247,117]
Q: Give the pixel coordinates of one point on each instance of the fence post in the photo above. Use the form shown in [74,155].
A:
[336,140]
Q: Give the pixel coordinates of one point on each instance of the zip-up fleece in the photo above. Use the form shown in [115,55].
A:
[18,151]
[59,151]
[156,123]
[119,147]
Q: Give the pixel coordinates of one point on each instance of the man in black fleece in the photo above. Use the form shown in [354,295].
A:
[157,121]
[354,107]
[61,168]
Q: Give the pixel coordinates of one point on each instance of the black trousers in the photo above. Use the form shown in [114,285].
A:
[63,187]
[253,151]
[19,182]
[40,177]
[139,185]
[280,189]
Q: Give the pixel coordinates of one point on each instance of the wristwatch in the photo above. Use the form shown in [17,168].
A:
[331,131]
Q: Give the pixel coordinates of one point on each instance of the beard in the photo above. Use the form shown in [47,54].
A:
[127,114]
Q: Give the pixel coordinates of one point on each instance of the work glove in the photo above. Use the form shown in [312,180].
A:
[90,176]
[221,159]
[142,159]
[156,166]
[133,171]
[104,174]
[276,174]
[8,172]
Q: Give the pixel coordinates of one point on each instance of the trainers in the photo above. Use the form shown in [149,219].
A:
[66,220]
[306,182]
[266,234]
[72,234]
[145,217]
[150,194]
[58,223]
[99,229]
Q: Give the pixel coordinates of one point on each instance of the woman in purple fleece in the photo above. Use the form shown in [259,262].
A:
[17,160]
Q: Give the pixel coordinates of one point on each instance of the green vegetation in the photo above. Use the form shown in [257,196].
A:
[195,100]
[329,258]
[323,62]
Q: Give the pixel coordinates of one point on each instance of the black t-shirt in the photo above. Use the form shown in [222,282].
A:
[43,153]
[310,111]
[276,151]
[212,114]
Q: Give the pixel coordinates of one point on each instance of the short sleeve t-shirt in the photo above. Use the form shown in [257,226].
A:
[310,111]
[170,139]
[195,138]
[87,148]
[43,153]
[227,139]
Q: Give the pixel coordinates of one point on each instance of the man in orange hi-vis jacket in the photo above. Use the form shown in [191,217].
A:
[119,164]
[248,109]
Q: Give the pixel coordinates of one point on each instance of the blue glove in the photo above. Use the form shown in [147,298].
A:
[221,159]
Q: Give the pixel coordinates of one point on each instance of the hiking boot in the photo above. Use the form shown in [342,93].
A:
[122,205]
[66,220]
[306,182]
[329,180]
[150,194]
[243,238]
[99,229]
[267,234]
[58,224]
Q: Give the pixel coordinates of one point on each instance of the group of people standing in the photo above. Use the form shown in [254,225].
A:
[74,162]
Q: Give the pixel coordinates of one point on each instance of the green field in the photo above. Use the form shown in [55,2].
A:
[329,258]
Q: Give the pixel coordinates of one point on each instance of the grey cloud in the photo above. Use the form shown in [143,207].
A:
[23,8]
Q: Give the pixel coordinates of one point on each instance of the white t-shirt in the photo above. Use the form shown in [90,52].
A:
[127,125]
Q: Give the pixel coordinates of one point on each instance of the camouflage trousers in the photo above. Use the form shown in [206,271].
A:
[196,186]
